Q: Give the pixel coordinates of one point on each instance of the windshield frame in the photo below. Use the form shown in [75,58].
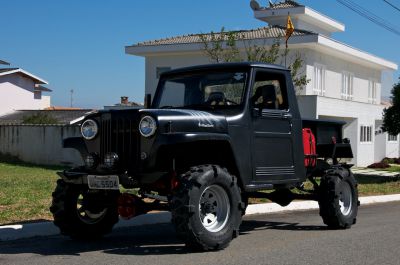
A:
[166,76]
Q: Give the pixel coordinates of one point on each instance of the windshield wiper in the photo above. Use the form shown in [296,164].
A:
[167,107]
[197,106]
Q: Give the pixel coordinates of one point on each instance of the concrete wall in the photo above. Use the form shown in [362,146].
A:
[308,106]
[17,93]
[39,144]
[333,76]
[392,148]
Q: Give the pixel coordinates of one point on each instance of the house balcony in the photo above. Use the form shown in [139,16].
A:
[315,106]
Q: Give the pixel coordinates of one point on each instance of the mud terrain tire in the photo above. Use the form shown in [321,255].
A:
[88,222]
[207,208]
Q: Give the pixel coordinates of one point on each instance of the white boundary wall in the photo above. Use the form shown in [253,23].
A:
[39,144]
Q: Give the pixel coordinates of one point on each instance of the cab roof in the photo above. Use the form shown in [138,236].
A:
[226,66]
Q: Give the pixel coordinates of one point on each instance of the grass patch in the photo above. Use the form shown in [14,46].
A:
[25,191]
[377,185]
[393,168]
[367,186]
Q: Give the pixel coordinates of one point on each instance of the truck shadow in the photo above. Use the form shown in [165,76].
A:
[255,225]
[146,240]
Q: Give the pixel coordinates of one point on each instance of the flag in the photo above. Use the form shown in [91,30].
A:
[289,29]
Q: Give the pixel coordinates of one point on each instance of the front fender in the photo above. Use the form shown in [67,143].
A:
[171,139]
[77,143]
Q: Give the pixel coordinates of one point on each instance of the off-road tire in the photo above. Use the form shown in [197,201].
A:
[331,190]
[185,208]
[66,217]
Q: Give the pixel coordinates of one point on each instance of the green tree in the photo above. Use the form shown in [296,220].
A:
[222,47]
[391,115]
[39,118]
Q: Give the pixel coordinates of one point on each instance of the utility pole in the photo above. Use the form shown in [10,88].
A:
[72,97]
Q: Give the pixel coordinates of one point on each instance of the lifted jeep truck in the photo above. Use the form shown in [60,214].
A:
[213,137]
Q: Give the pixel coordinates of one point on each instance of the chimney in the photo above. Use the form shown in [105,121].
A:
[124,101]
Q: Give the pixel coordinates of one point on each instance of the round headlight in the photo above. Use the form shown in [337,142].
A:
[110,160]
[89,129]
[91,160]
[147,126]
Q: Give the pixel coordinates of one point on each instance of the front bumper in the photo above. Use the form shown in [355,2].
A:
[78,176]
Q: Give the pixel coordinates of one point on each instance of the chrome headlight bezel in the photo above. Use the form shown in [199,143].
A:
[147,126]
[95,129]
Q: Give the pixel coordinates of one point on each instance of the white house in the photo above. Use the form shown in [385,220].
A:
[21,90]
[345,81]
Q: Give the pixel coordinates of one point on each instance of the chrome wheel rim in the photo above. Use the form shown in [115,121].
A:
[345,199]
[214,208]
[87,216]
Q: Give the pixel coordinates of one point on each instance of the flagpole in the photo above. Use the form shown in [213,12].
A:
[289,32]
[286,52]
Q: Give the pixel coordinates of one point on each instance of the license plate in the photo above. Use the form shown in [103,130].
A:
[103,182]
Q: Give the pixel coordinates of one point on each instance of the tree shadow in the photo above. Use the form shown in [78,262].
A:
[375,179]
[144,240]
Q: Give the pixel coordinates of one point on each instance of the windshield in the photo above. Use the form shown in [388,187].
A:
[210,90]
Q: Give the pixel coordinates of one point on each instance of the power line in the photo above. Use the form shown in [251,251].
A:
[370,16]
[392,5]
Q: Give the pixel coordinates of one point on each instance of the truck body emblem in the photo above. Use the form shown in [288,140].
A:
[206,125]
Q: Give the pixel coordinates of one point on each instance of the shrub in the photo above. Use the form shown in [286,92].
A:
[39,118]
[388,160]
[379,165]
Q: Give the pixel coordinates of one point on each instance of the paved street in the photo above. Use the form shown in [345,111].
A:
[291,238]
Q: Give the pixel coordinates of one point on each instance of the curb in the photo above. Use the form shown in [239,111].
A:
[20,231]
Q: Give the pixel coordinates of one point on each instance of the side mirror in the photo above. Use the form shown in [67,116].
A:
[147,101]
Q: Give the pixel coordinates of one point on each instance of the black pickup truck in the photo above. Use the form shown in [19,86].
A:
[212,137]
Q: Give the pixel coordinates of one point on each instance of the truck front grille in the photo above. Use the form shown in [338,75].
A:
[121,136]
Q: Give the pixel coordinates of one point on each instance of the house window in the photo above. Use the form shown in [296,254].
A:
[319,79]
[392,138]
[347,86]
[160,70]
[366,134]
[372,92]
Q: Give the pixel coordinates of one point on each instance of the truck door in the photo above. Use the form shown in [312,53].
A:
[272,155]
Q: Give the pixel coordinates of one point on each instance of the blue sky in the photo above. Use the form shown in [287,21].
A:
[79,45]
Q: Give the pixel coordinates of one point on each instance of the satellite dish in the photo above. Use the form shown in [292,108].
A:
[254,5]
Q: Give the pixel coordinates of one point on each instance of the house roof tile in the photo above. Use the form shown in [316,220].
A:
[4,70]
[284,4]
[259,33]
[4,62]
[8,71]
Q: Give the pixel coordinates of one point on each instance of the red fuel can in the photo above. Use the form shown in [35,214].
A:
[310,153]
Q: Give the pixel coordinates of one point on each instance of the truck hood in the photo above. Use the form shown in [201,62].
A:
[187,121]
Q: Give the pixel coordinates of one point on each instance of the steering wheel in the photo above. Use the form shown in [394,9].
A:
[216,98]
